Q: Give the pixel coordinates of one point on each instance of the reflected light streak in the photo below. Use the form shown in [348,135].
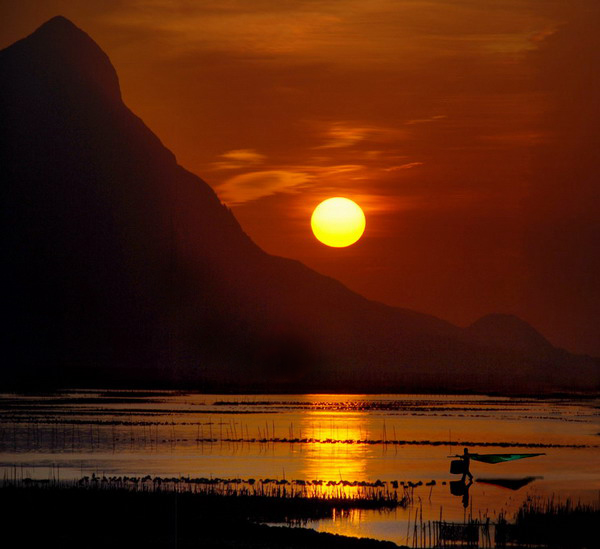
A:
[340,462]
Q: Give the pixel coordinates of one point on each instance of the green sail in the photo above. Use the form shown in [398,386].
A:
[500,458]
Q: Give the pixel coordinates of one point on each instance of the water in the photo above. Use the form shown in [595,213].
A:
[334,437]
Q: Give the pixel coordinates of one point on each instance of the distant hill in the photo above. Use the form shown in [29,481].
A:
[121,267]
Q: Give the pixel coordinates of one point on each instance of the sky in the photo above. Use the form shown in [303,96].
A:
[467,130]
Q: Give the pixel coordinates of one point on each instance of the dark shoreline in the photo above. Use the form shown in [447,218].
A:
[74,517]
[69,516]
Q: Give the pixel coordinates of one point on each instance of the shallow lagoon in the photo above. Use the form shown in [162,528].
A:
[309,437]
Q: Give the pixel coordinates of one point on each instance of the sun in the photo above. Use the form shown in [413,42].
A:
[338,222]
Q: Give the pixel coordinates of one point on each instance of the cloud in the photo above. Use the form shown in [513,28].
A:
[407,166]
[428,120]
[333,170]
[343,134]
[253,185]
[239,159]
[349,32]
[338,135]
[286,179]
[518,138]
[264,28]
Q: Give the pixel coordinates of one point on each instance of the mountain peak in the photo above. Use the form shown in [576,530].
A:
[60,23]
[506,330]
[60,56]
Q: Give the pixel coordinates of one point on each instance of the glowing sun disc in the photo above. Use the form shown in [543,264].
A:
[338,222]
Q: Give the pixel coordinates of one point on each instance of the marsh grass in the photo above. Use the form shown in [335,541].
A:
[275,500]
[551,523]
[60,514]
[202,508]
[26,434]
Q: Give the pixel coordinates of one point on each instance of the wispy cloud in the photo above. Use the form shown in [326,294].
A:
[407,166]
[239,159]
[250,186]
[338,135]
[333,170]
[427,120]
[284,179]
[521,138]
[346,31]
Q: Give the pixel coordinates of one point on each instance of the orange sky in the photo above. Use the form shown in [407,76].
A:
[466,129]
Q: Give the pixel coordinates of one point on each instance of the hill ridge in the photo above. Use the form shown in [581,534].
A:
[125,267]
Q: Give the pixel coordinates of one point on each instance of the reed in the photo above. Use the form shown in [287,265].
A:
[63,432]
[551,523]
[72,516]
[332,494]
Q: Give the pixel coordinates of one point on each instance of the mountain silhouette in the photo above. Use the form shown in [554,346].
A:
[121,267]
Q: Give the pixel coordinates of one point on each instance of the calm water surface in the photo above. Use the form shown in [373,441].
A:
[346,437]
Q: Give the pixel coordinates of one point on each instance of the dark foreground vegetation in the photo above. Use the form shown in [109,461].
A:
[550,523]
[70,516]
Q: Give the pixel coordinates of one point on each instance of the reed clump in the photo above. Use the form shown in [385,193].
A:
[69,515]
[282,500]
[550,523]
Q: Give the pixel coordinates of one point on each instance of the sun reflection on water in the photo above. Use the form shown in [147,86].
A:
[344,462]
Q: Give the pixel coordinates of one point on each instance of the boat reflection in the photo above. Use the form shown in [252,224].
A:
[460,488]
[509,483]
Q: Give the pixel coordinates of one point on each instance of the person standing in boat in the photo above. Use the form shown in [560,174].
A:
[466,457]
